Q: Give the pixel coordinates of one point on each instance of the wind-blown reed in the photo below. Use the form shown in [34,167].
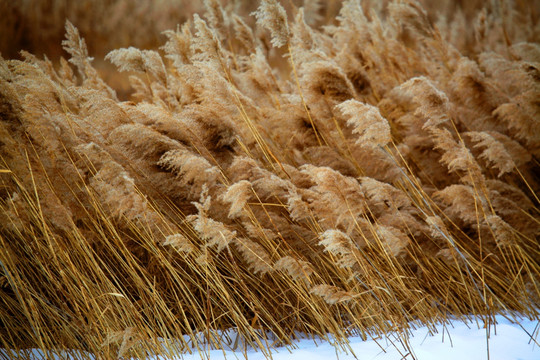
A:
[292,171]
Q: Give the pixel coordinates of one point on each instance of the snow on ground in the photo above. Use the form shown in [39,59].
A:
[458,341]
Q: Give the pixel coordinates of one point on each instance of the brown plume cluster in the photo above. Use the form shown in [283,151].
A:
[319,168]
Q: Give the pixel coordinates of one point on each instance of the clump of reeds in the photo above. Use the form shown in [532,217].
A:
[274,176]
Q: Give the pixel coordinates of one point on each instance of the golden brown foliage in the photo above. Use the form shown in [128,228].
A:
[375,171]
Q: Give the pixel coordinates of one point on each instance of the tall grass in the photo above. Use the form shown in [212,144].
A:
[292,171]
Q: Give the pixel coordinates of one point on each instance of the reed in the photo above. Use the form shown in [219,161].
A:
[317,167]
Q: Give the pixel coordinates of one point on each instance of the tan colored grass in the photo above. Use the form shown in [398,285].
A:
[373,172]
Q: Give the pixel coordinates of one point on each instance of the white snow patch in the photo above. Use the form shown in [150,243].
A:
[461,341]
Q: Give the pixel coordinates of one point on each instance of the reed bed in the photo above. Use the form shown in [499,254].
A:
[319,168]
